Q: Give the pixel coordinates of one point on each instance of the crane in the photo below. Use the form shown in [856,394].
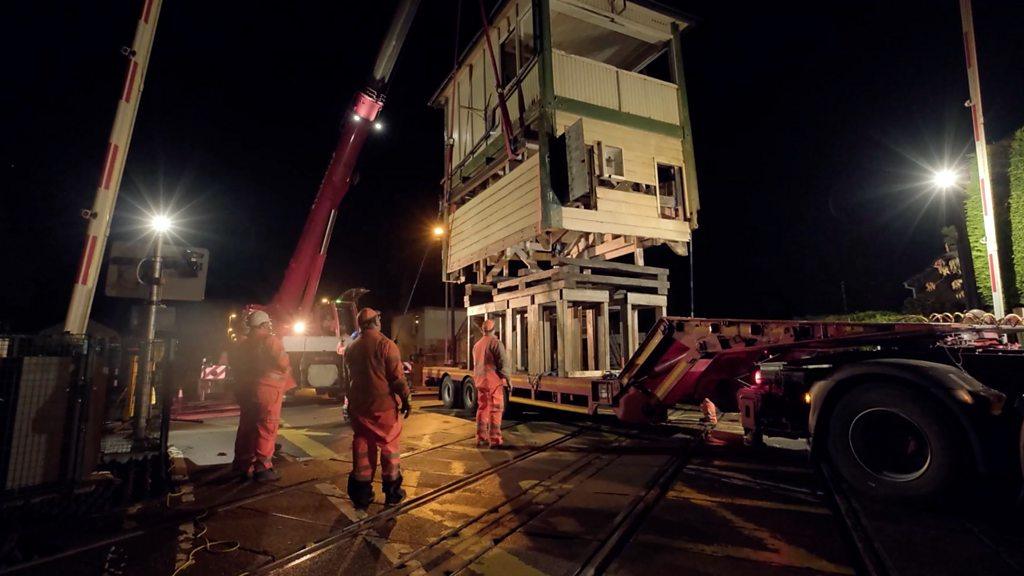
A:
[313,329]
[295,299]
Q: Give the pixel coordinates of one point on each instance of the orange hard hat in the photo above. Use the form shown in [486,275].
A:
[487,326]
[367,315]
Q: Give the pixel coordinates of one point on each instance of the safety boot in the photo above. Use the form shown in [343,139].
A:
[393,492]
[360,492]
[266,475]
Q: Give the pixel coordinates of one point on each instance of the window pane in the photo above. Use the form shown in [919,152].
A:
[527,42]
[508,59]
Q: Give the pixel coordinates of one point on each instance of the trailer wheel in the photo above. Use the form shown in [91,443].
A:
[449,393]
[891,442]
[469,395]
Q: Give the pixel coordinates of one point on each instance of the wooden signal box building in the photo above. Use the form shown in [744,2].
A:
[568,153]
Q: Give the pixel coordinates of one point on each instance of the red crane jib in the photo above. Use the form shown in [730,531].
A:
[295,298]
[298,288]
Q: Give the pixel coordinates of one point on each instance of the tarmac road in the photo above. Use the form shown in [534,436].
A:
[570,495]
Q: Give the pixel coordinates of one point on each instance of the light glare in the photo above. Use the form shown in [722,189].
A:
[160,223]
[299,327]
[944,179]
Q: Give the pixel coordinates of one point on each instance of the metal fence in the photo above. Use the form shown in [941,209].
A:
[45,393]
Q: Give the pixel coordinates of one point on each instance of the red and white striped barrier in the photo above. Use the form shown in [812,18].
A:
[214,373]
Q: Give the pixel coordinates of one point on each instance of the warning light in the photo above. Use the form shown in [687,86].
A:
[807,397]
[758,377]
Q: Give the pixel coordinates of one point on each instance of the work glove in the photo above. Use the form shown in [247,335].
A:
[406,407]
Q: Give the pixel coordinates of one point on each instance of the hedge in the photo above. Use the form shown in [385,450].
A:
[1016,209]
[1011,245]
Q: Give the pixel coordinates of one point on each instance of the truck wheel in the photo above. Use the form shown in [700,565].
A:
[448,392]
[894,443]
[469,395]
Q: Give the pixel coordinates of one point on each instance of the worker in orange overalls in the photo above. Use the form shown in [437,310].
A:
[489,361]
[264,375]
[379,392]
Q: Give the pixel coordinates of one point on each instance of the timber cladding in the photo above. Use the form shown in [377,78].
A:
[641,150]
[606,86]
[501,216]
[620,221]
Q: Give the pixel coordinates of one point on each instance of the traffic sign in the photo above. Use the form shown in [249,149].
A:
[183,271]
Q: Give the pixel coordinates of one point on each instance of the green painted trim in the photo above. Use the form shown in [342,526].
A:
[551,208]
[479,158]
[676,54]
[580,108]
[545,65]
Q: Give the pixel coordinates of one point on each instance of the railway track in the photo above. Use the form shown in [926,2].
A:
[177,517]
[311,552]
[948,537]
[457,547]
[630,519]
[568,466]
[870,556]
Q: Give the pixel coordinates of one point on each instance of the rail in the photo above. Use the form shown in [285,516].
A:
[314,550]
[184,514]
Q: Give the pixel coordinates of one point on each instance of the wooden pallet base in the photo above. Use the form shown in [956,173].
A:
[580,318]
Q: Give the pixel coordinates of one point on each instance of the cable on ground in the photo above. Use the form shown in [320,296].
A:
[215,547]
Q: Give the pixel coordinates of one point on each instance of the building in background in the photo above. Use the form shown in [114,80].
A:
[421,334]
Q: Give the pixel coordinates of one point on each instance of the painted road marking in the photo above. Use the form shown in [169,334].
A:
[301,437]
[391,551]
[688,494]
[778,551]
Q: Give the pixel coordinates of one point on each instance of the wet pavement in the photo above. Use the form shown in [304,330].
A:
[967,532]
[568,496]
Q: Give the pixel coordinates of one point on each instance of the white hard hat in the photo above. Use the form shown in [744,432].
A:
[257,318]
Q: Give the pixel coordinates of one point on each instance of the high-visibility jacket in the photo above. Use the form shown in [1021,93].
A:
[489,361]
[262,361]
[375,366]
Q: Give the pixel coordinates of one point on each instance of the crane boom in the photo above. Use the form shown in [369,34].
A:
[295,296]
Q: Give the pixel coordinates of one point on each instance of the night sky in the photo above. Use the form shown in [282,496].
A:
[813,122]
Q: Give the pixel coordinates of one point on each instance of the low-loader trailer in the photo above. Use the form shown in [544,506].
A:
[899,409]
